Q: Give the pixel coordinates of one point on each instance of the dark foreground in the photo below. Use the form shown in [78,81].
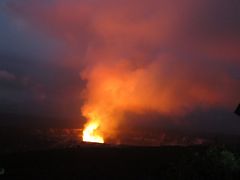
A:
[119,162]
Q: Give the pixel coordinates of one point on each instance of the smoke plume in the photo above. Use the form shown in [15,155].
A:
[141,56]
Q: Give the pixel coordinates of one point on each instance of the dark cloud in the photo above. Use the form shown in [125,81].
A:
[5,75]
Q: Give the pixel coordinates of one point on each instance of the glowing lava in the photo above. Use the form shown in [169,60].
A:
[90,134]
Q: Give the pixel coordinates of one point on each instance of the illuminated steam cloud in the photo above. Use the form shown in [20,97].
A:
[140,56]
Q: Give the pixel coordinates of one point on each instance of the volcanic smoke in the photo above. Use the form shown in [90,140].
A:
[135,57]
[114,89]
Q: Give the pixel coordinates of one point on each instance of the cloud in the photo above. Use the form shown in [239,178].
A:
[5,75]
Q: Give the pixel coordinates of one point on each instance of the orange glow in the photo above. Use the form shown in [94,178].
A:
[114,89]
[90,134]
[132,60]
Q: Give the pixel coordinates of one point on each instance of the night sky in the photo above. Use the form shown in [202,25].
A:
[174,63]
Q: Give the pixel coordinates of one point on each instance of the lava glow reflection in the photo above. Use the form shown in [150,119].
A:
[90,134]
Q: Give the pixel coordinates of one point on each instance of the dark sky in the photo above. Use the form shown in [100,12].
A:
[182,57]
